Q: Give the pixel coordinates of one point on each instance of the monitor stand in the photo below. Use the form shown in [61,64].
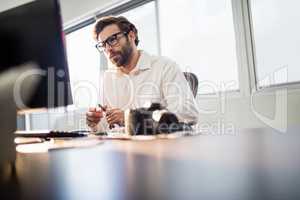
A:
[17,84]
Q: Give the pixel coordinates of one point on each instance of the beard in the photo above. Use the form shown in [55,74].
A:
[122,57]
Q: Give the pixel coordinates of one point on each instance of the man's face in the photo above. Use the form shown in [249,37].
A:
[120,53]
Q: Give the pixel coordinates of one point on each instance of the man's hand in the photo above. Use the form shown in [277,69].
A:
[93,116]
[115,116]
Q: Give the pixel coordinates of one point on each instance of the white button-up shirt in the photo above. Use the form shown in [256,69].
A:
[154,79]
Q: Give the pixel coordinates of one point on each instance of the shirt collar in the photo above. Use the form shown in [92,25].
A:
[144,61]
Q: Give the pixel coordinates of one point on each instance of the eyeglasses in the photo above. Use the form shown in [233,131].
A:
[111,41]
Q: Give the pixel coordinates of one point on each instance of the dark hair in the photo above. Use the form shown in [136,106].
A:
[121,22]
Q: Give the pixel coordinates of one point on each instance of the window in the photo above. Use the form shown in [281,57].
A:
[199,36]
[84,66]
[85,62]
[144,18]
[277,42]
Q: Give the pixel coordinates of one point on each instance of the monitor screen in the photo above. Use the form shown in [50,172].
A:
[33,33]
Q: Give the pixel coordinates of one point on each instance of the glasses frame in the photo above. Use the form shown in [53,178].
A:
[112,41]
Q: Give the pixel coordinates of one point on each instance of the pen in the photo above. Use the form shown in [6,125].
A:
[104,109]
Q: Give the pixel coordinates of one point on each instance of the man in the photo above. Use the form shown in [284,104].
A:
[134,77]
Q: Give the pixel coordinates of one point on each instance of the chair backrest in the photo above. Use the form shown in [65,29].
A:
[193,82]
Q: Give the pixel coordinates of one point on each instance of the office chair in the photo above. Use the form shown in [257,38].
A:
[193,82]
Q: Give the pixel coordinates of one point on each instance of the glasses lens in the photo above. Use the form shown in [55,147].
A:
[112,40]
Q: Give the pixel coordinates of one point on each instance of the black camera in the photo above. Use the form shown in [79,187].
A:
[152,120]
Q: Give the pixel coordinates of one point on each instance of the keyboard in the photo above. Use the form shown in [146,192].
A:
[51,133]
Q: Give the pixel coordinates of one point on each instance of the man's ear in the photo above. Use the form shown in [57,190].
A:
[131,35]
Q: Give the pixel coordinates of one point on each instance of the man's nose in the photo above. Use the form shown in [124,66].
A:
[108,48]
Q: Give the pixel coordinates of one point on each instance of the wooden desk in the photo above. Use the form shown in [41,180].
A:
[253,164]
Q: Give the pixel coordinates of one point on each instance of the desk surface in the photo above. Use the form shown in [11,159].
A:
[252,164]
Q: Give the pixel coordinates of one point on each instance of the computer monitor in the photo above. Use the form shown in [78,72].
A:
[33,33]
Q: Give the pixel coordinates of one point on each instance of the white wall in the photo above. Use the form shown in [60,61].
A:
[7,4]
[71,9]
[75,9]
[277,109]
